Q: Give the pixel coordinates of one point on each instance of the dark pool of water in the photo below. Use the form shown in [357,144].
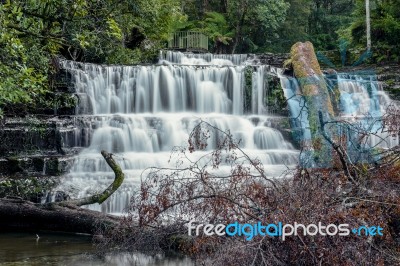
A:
[70,249]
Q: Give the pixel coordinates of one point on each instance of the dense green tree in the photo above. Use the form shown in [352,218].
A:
[260,25]
[241,25]
[26,43]
[295,27]
[217,28]
[385,23]
[32,32]
[255,21]
[326,18]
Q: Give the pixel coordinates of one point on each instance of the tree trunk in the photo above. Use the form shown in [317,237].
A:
[100,198]
[239,26]
[18,214]
[224,6]
[314,90]
[368,22]
[64,216]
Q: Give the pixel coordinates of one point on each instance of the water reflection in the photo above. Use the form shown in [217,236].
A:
[69,249]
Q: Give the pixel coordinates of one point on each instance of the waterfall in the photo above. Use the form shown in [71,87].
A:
[297,108]
[203,59]
[259,91]
[362,104]
[363,101]
[161,88]
[140,113]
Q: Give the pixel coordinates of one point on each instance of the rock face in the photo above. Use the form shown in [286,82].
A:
[35,146]
[276,60]
[389,75]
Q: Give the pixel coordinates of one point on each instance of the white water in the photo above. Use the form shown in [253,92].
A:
[203,59]
[140,113]
[363,101]
[297,108]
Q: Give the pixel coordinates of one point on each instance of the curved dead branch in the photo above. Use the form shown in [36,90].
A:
[101,197]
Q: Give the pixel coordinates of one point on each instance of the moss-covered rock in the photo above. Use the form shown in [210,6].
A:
[28,188]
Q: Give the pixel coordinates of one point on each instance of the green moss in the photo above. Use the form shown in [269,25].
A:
[275,99]
[315,92]
[248,76]
[53,167]
[288,64]
[31,188]
[390,82]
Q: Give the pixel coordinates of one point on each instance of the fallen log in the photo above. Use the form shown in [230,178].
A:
[19,214]
[65,216]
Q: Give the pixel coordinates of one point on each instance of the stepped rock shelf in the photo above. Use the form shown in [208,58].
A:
[140,113]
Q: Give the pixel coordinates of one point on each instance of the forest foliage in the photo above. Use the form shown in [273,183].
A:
[34,32]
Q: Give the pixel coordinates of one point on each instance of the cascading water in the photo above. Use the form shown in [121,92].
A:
[297,107]
[203,59]
[362,103]
[139,113]
[362,100]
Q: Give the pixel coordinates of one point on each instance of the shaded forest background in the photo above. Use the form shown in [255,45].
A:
[35,32]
